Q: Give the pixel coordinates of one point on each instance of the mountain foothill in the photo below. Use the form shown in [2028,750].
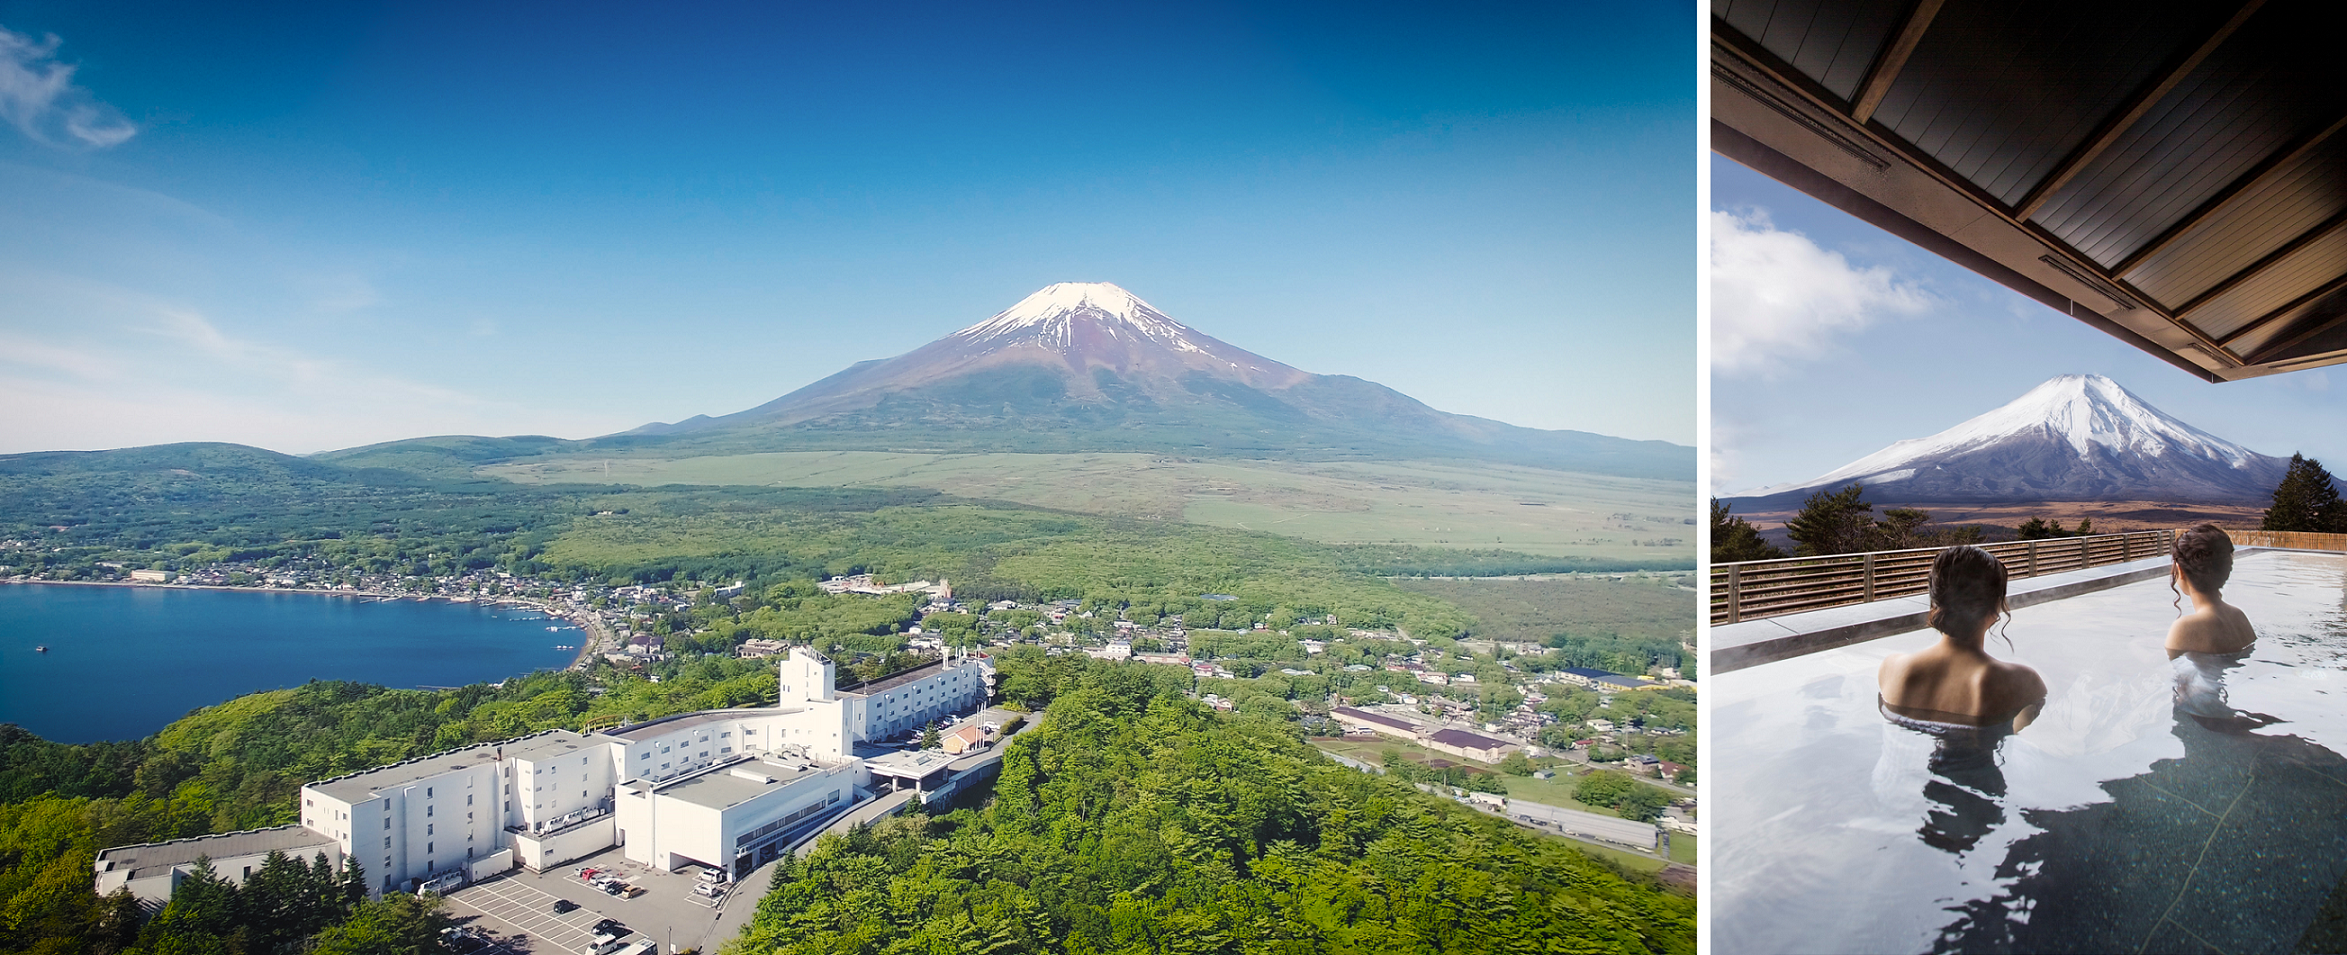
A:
[1079,367]
[1091,380]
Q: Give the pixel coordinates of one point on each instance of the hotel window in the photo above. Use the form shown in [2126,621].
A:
[468,799]
[646,755]
[427,829]
[387,822]
[427,812]
[427,792]
[387,845]
[427,851]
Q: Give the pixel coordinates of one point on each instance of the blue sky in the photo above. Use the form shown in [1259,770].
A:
[1873,340]
[311,226]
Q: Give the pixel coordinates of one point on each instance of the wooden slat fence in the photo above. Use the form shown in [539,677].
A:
[2295,540]
[1750,590]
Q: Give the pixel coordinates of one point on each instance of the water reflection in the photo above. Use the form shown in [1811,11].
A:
[2200,691]
[1964,793]
[2225,828]
[2132,814]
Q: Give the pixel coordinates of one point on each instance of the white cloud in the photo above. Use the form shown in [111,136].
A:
[1776,297]
[38,97]
[86,365]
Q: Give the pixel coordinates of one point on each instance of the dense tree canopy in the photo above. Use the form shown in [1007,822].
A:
[1135,821]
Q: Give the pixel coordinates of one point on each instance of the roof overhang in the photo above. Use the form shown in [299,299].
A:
[2176,177]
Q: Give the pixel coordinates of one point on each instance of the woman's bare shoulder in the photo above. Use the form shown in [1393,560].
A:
[2211,631]
[2018,684]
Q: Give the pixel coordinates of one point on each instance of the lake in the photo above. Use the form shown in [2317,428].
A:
[125,661]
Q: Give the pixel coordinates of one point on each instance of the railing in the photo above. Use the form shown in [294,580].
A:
[2293,540]
[1750,590]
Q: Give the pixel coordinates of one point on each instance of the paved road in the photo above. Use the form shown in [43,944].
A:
[1593,825]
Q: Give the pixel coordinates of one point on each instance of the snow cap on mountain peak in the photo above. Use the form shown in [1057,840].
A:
[1049,314]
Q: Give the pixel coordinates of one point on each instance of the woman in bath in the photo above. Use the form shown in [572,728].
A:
[2203,562]
[1955,682]
[2214,638]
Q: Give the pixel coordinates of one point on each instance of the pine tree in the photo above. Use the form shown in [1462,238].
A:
[929,738]
[1832,522]
[1900,528]
[1734,540]
[2306,500]
[354,883]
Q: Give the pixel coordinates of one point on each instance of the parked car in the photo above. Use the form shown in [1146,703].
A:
[564,905]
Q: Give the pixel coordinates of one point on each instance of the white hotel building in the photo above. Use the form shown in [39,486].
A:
[726,789]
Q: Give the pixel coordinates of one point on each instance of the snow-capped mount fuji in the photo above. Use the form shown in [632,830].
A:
[2073,438]
[1096,324]
[1081,328]
[1089,366]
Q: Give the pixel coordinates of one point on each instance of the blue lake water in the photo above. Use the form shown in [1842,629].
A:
[125,661]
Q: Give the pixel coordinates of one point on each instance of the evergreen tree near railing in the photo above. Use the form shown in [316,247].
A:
[1734,539]
[2306,500]
[1842,522]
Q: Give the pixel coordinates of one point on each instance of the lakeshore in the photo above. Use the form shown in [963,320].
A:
[122,661]
[598,635]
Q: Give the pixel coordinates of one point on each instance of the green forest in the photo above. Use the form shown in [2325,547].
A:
[183,506]
[1244,805]
[1134,821]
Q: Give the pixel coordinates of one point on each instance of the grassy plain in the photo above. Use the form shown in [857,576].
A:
[1683,849]
[1534,609]
[1554,792]
[1426,503]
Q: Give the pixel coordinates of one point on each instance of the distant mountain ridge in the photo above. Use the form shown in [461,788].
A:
[2072,438]
[1083,366]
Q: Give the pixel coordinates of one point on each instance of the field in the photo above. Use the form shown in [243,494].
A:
[1426,503]
[1683,848]
[1535,609]
[1554,792]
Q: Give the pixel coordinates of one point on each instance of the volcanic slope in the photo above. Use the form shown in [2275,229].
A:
[1092,367]
[2073,438]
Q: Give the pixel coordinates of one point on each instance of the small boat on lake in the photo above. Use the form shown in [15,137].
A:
[42,648]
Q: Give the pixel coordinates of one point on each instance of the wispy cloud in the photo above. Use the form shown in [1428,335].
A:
[1777,297]
[39,98]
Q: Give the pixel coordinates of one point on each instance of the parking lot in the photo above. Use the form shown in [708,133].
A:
[521,903]
[522,913]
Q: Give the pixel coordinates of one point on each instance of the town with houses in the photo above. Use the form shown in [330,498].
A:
[1465,703]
